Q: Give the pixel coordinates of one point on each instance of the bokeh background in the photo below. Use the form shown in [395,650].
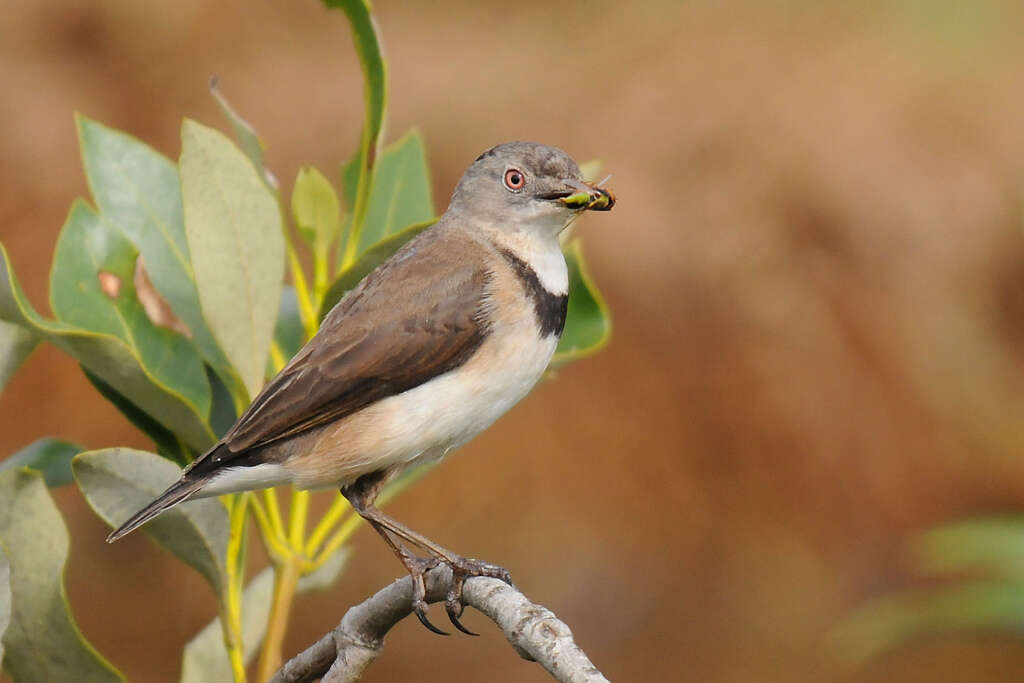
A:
[816,272]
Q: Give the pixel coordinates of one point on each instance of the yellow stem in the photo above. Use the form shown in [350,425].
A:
[231,622]
[306,312]
[297,519]
[274,512]
[321,266]
[286,577]
[277,355]
[326,524]
[276,543]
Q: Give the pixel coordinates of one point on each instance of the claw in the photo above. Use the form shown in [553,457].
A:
[453,603]
[417,567]
[420,609]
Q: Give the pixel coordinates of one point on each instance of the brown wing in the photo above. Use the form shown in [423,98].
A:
[417,316]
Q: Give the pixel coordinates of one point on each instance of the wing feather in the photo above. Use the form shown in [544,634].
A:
[410,320]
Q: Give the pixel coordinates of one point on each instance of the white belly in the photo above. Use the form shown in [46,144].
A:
[429,421]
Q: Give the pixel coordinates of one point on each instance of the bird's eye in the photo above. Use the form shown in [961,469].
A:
[514,179]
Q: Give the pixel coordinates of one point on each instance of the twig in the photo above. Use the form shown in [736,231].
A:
[342,655]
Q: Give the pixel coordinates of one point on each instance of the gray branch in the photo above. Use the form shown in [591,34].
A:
[343,654]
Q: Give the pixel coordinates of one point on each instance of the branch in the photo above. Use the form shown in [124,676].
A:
[342,655]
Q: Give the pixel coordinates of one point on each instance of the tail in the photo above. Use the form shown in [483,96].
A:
[179,491]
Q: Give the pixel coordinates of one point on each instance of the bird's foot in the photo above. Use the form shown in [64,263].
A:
[462,569]
[417,567]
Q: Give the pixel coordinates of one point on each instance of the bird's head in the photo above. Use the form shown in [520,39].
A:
[527,183]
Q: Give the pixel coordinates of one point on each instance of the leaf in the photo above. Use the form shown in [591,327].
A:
[5,598]
[890,622]
[109,358]
[89,251]
[373,257]
[587,322]
[401,194]
[42,642]
[233,226]
[51,457]
[167,444]
[245,134]
[289,332]
[16,343]
[117,482]
[205,659]
[137,190]
[316,209]
[993,546]
[364,37]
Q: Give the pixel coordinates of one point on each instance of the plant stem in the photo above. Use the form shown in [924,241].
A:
[286,577]
[302,293]
[231,622]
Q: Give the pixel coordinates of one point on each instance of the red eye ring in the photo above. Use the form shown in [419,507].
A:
[514,179]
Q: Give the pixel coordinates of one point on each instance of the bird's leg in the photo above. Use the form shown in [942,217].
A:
[361,494]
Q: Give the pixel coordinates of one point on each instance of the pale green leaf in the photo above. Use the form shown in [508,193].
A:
[138,190]
[42,642]
[367,45]
[401,194]
[5,598]
[288,331]
[109,358]
[52,457]
[92,287]
[587,322]
[316,210]
[245,134]
[893,621]
[233,226]
[16,343]
[117,482]
[205,659]
[992,546]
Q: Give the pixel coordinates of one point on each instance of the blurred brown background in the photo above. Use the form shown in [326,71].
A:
[816,271]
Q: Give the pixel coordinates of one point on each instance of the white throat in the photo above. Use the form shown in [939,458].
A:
[535,242]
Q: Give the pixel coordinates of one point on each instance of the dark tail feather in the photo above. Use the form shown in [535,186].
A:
[179,491]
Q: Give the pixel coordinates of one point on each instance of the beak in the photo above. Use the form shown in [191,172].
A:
[584,196]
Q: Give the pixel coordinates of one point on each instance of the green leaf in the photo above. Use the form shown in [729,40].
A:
[401,194]
[367,44]
[245,134]
[893,621]
[49,456]
[289,332]
[117,482]
[92,288]
[42,642]
[369,260]
[16,343]
[233,226]
[5,598]
[167,444]
[587,322]
[993,546]
[109,358]
[205,660]
[138,191]
[316,209]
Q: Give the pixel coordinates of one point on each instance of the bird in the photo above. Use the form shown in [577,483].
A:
[423,354]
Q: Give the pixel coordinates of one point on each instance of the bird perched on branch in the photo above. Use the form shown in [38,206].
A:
[421,356]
